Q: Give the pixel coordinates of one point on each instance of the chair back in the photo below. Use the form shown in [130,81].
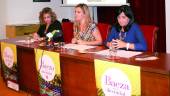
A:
[150,34]
[104,30]
[67,28]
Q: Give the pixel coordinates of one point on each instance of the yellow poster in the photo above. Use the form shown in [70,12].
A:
[48,69]
[115,79]
[9,64]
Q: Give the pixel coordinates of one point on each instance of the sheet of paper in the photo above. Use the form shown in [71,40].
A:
[21,41]
[120,53]
[147,58]
[77,46]
[25,41]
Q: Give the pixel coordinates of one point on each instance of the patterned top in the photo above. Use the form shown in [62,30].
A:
[87,34]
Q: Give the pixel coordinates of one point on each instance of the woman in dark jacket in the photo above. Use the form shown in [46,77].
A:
[49,24]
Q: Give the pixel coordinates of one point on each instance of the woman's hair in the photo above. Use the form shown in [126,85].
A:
[86,11]
[128,12]
[49,11]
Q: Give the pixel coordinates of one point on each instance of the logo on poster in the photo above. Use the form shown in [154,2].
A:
[8,56]
[47,68]
[115,83]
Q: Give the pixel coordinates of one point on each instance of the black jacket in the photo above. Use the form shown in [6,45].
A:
[57,37]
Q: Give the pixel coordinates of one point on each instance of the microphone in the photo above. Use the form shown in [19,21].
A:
[50,35]
[54,35]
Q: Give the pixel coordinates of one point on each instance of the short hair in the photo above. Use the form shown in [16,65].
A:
[128,12]
[49,11]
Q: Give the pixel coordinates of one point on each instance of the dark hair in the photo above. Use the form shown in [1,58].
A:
[65,20]
[128,12]
[47,10]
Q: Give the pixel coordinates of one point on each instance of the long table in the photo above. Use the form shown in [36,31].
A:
[77,70]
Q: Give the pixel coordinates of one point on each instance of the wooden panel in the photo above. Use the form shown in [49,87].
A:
[10,31]
[78,77]
[20,30]
[28,79]
[25,30]
[155,84]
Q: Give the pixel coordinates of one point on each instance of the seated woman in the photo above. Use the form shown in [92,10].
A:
[126,34]
[49,24]
[85,31]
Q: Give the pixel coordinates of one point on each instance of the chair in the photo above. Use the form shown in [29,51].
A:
[150,34]
[104,29]
[67,28]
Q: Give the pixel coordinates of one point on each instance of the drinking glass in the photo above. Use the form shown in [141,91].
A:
[61,44]
[28,39]
[113,50]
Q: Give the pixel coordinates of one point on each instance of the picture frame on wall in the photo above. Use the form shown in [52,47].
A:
[41,0]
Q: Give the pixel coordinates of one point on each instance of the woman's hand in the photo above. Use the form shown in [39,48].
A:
[36,37]
[81,42]
[74,41]
[109,44]
[119,43]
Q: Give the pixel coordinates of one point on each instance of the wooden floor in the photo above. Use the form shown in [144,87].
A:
[4,91]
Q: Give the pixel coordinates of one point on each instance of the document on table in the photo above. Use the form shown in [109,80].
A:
[21,41]
[120,53]
[77,46]
[25,41]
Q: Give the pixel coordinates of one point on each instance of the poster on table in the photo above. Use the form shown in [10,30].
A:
[115,79]
[9,65]
[48,69]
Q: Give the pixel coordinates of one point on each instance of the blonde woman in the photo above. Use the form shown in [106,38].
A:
[85,30]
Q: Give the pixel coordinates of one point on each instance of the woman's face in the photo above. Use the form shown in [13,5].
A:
[47,18]
[123,20]
[79,15]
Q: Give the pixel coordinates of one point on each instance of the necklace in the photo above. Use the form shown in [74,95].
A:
[122,35]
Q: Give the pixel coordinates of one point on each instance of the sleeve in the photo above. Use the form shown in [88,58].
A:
[93,27]
[40,31]
[58,36]
[111,35]
[141,44]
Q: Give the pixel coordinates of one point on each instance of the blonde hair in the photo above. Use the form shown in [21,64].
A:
[86,11]
[49,11]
